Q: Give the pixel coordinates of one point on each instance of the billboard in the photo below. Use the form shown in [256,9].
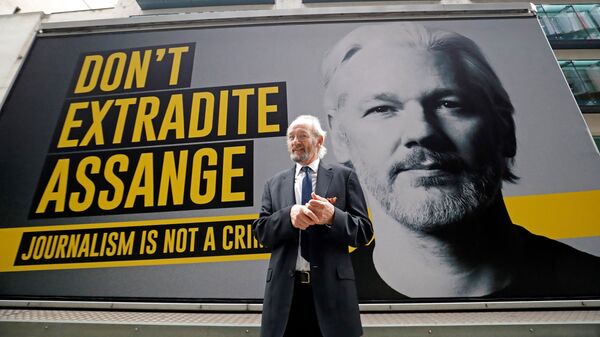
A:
[132,163]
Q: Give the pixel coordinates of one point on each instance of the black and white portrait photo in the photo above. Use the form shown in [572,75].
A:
[425,121]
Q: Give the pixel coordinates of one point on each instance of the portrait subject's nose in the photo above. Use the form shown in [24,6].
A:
[417,126]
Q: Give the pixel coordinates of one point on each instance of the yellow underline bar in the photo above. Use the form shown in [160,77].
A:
[558,216]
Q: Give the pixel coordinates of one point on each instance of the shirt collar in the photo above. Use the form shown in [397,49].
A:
[313,166]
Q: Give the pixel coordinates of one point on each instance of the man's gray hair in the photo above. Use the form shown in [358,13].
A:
[472,67]
[315,127]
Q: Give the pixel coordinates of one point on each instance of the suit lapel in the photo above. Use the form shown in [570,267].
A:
[324,176]
[287,194]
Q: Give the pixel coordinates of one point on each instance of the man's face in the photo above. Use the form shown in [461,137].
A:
[303,145]
[419,142]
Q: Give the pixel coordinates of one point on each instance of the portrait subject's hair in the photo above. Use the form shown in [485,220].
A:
[472,65]
[316,129]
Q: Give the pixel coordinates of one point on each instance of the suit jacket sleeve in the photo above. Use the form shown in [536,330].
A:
[352,226]
[273,227]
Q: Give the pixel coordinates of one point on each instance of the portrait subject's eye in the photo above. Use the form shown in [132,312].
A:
[450,105]
[381,110]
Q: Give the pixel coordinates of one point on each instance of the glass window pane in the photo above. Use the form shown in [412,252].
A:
[570,22]
[583,77]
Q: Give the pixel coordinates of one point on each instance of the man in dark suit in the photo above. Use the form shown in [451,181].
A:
[310,215]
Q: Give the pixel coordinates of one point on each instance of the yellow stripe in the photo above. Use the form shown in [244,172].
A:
[9,244]
[10,239]
[558,216]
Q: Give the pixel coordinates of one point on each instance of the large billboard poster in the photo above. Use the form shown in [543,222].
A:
[132,163]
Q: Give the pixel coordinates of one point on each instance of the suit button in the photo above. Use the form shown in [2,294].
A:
[291,273]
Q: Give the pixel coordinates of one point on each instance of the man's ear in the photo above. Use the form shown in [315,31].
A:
[320,141]
[338,139]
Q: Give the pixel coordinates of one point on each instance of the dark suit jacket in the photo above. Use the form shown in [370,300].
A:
[332,278]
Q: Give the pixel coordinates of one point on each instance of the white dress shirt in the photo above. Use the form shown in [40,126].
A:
[301,263]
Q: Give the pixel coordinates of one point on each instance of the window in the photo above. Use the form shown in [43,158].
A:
[570,22]
[583,77]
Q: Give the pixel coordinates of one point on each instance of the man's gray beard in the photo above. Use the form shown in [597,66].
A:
[432,214]
[301,158]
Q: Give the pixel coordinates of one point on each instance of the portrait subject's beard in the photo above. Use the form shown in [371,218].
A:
[430,204]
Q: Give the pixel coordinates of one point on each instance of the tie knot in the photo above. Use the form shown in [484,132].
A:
[306,169]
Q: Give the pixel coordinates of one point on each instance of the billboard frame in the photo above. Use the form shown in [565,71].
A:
[288,16]
[257,307]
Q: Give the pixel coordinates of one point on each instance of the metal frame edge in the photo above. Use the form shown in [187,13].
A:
[250,307]
[414,11]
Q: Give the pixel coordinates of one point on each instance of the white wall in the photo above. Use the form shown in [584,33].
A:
[17,34]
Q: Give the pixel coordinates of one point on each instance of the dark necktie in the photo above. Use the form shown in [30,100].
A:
[306,192]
